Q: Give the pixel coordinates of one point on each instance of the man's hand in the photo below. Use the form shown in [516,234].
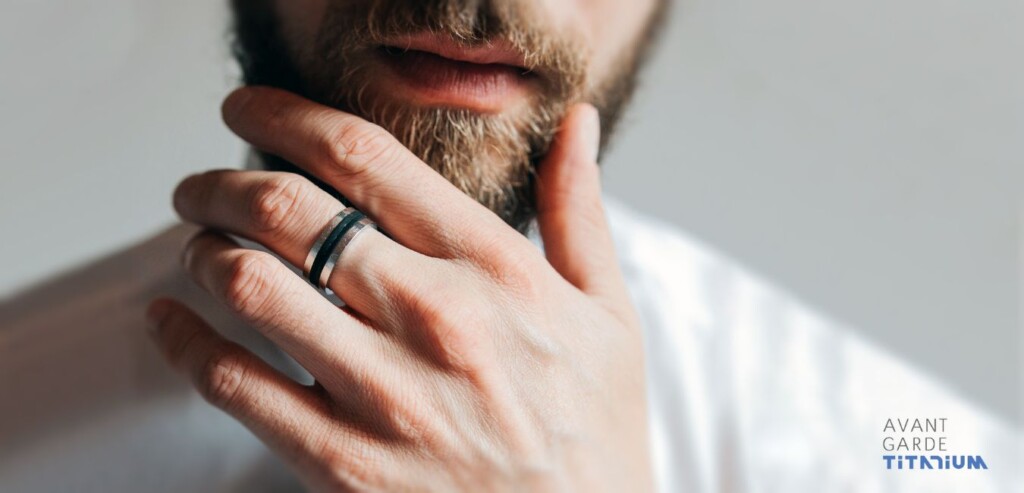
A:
[463,360]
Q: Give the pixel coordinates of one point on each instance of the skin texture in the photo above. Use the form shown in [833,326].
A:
[464,358]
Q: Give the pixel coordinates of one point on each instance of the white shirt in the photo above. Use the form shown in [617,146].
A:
[749,390]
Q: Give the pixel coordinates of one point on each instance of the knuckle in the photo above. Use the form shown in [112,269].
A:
[516,269]
[517,262]
[505,250]
[248,289]
[351,465]
[454,332]
[355,146]
[222,378]
[410,417]
[274,201]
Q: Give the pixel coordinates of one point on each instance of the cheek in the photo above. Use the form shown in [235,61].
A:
[611,28]
[300,21]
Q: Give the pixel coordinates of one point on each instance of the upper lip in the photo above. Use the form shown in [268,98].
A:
[497,52]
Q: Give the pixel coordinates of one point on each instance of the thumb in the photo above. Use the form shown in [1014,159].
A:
[571,215]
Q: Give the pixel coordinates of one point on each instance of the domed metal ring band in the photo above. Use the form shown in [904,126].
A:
[327,249]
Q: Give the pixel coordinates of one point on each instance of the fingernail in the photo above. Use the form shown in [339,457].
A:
[188,250]
[186,255]
[593,130]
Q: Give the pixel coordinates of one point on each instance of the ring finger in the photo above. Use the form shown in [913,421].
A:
[287,213]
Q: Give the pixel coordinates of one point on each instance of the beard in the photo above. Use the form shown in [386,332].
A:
[493,158]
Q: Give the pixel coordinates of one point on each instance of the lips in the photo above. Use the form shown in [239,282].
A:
[492,53]
[436,71]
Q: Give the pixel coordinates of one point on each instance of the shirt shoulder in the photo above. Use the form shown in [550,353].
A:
[739,369]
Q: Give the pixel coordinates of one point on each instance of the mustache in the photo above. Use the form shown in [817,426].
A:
[555,56]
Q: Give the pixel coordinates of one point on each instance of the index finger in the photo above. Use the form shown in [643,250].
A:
[371,168]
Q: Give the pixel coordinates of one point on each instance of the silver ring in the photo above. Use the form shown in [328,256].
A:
[313,252]
[346,240]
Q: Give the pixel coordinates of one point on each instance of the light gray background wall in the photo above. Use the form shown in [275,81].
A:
[865,156]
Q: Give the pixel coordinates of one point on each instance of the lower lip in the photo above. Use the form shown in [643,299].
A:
[433,80]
